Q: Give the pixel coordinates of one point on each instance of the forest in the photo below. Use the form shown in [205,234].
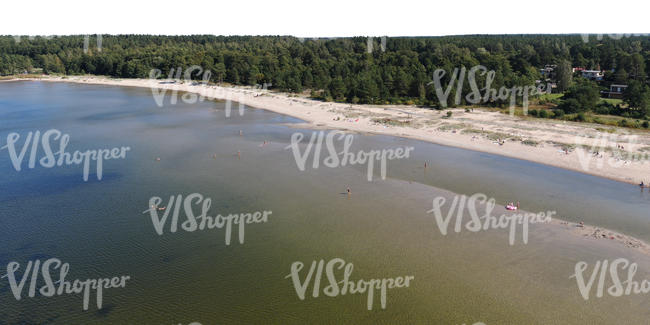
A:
[359,69]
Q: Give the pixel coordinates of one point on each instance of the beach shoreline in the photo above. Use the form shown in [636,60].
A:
[548,142]
[328,115]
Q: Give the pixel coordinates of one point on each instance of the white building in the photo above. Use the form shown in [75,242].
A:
[593,74]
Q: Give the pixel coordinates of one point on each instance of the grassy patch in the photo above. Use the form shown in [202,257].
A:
[31,76]
[529,142]
[392,122]
[606,130]
[352,114]
[562,145]
[549,97]
[498,136]
[472,131]
[613,101]
[450,127]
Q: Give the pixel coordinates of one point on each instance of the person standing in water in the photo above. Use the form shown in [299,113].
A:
[349,193]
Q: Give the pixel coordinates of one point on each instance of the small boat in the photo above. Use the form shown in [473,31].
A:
[511,207]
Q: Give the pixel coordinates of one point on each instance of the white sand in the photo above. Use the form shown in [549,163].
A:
[477,130]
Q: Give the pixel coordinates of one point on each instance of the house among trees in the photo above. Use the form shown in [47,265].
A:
[342,70]
[593,74]
[548,71]
[615,91]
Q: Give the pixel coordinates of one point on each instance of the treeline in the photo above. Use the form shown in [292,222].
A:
[332,69]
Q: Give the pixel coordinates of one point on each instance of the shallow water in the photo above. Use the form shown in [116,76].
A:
[383,228]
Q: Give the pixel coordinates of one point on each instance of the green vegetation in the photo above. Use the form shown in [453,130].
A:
[611,101]
[529,142]
[564,75]
[581,96]
[392,122]
[562,145]
[451,127]
[590,117]
[343,70]
[609,130]
[549,97]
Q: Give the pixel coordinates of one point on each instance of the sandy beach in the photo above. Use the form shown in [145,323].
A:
[614,153]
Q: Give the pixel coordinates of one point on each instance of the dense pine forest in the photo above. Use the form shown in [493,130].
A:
[345,69]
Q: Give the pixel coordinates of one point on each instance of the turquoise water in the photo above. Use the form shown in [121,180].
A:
[382,228]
